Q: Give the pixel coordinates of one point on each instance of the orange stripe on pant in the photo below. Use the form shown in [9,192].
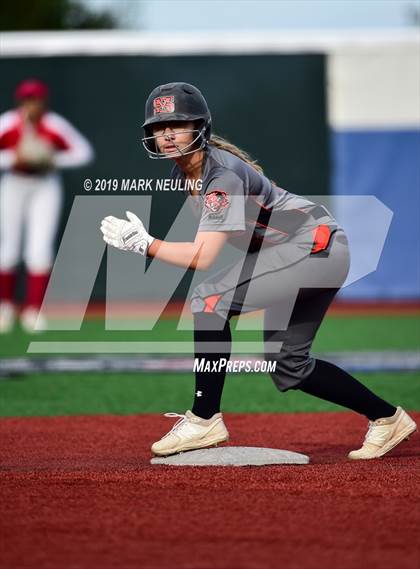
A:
[211,302]
[322,235]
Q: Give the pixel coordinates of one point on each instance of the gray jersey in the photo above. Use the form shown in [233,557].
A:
[235,198]
[294,282]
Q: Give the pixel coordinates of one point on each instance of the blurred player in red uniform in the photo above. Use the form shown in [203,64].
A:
[34,144]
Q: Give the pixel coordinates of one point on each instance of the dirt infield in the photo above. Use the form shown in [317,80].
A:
[80,493]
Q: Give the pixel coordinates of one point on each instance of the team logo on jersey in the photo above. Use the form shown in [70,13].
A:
[216,200]
[164,105]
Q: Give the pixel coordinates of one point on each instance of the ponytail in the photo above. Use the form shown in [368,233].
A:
[224,144]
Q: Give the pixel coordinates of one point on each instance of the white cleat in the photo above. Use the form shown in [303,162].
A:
[191,432]
[31,321]
[385,434]
[7,317]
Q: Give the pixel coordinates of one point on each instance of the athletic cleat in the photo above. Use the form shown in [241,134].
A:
[7,317]
[191,432]
[384,434]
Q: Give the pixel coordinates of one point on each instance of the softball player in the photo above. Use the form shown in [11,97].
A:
[296,255]
[34,144]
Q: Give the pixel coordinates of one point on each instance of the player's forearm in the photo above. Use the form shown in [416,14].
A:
[73,158]
[180,254]
[130,235]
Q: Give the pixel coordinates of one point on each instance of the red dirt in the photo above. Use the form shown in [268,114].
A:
[80,493]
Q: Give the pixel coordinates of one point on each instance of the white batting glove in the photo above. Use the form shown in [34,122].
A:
[126,235]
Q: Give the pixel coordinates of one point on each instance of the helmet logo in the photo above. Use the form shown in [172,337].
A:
[216,200]
[164,105]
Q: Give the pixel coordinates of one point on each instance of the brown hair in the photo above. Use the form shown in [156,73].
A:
[224,144]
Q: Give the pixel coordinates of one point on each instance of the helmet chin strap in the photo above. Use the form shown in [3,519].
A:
[168,138]
[179,149]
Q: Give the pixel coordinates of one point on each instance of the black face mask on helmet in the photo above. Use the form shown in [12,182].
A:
[176,102]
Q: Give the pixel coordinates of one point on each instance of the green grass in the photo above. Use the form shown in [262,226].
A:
[337,333]
[122,394]
[73,394]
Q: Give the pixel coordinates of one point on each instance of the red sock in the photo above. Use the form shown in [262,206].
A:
[7,285]
[36,285]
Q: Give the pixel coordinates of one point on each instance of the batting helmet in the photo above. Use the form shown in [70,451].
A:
[31,88]
[176,102]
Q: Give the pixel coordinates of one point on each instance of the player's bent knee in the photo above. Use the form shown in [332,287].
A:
[291,370]
[208,304]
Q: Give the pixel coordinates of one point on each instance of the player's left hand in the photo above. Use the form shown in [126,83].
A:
[126,235]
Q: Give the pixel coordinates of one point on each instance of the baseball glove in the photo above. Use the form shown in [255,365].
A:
[34,151]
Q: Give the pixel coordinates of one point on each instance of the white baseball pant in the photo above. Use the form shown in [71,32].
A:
[30,209]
